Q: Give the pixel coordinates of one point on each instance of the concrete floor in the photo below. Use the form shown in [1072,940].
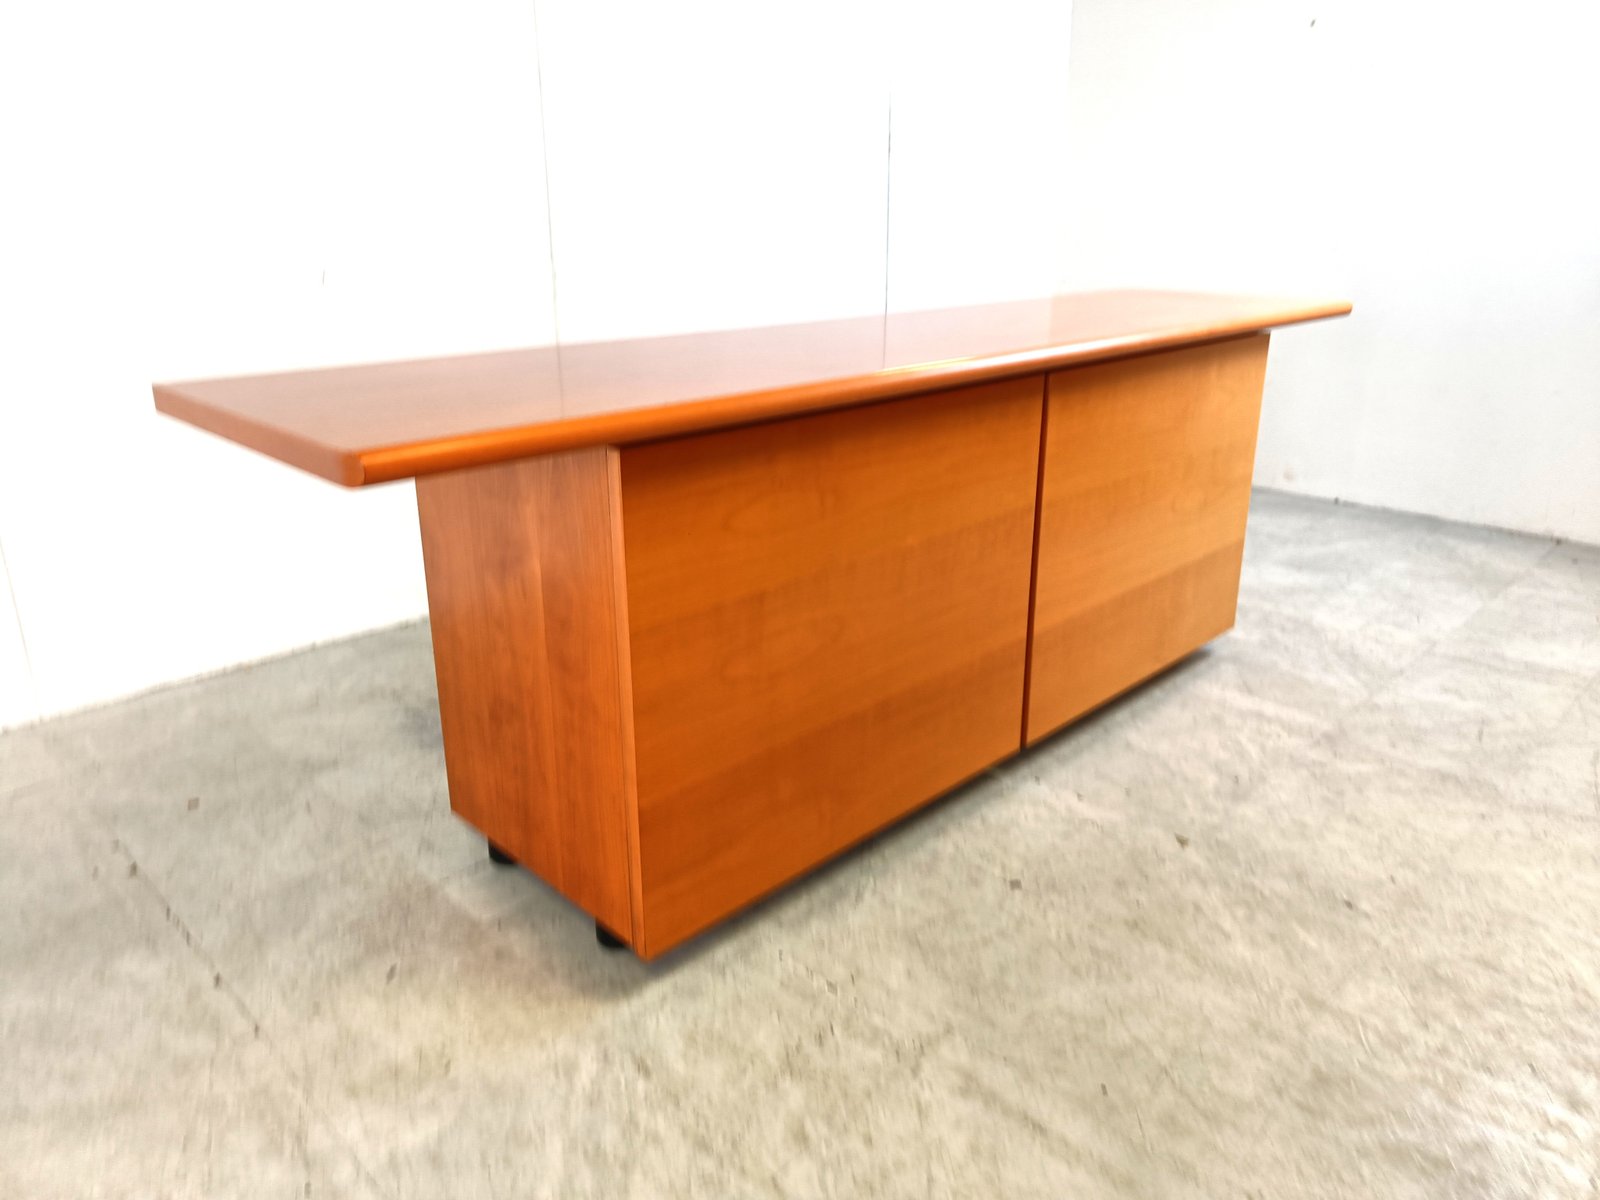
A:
[1317,913]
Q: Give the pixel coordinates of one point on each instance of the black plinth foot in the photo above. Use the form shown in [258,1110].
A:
[500,857]
[608,939]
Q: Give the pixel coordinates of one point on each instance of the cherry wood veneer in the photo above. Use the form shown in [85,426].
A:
[829,620]
[370,424]
[530,649]
[709,610]
[1143,494]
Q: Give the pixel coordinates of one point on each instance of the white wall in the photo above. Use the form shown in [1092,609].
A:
[1433,161]
[977,179]
[17,702]
[738,164]
[714,164]
[198,189]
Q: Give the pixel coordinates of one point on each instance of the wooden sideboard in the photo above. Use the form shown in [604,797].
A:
[708,610]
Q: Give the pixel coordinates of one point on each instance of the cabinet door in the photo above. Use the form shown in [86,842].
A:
[828,624]
[1143,496]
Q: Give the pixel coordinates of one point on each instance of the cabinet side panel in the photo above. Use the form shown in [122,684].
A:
[630,774]
[828,623]
[1145,490]
[522,576]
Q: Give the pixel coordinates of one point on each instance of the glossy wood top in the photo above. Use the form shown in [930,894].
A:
[372,424]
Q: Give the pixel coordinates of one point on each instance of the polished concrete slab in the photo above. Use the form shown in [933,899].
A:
[1315,913]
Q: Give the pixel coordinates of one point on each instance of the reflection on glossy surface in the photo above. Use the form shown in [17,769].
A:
[387,421]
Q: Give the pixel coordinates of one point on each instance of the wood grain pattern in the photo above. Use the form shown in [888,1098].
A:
[529,641]
[369,424]
[828,623]
[630,772]
[1145,491]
